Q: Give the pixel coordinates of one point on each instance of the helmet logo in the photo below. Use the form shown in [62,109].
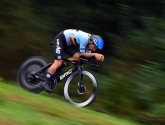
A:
[94,40]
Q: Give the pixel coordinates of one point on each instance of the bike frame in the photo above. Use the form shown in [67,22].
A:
[77,66]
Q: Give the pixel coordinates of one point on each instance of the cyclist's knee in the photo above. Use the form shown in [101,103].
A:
[76,55]
[57,63]
[54,66]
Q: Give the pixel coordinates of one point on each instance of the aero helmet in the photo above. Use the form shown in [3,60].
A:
[98,41]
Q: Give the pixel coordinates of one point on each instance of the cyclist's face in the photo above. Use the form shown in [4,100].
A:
[92,46]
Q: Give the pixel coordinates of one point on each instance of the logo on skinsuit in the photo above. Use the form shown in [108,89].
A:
[57,47]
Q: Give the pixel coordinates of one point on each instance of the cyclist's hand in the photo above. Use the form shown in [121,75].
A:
[99,57]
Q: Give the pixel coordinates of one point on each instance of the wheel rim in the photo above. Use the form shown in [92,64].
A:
[92,96]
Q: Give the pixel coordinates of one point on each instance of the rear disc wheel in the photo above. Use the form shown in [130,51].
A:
[25,78]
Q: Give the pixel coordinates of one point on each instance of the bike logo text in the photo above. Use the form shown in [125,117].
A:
[65,74]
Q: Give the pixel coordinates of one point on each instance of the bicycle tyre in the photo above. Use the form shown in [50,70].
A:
[92,97]
[30,65]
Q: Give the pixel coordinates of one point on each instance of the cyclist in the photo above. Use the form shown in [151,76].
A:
[66,41]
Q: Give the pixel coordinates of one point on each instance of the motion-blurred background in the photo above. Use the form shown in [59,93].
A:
[132,77]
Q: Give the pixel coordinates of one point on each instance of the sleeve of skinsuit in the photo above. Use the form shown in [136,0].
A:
[83,38]
[88,51]
[83,46]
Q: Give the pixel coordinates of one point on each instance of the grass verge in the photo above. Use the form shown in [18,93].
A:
[19,107]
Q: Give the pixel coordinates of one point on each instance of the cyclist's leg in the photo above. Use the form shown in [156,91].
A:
[59,45]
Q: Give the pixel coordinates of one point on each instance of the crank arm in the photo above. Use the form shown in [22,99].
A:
[39,77]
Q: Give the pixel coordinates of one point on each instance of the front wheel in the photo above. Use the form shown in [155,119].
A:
[71,91]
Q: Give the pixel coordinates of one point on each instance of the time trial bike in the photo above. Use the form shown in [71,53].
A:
[80,87]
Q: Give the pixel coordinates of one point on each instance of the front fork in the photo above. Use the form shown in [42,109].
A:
[80,77]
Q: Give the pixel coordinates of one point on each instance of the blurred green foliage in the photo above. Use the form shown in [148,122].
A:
[132,76]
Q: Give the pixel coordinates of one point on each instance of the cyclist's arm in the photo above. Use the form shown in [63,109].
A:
[98,56]
[87,54]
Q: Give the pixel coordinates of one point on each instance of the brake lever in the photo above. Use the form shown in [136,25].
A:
[95,65]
